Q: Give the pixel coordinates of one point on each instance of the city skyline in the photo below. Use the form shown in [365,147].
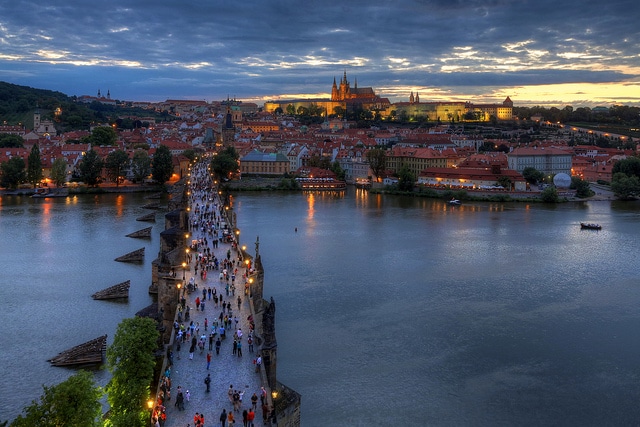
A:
[538,53]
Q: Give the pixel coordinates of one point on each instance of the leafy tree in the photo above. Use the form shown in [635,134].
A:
[11,141]
[140,165]
[162,165]
[131,361]
[225,163]
[406,179]
[581,186]
[624,186]
[377,159]
[34,166]
[91,168]
[13,172]
[550,195]
[103,135]
[532,175]
[74,403]
[337,169]
[190,154]
[59,171]
[116,163]
[291,110]
[629,166]
[505,181]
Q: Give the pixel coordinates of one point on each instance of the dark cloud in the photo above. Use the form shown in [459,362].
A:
[256,48]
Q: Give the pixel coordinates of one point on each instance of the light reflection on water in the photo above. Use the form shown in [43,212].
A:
[484,314]
[55,254]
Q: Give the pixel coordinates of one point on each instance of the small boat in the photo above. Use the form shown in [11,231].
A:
[43,193]
[455,202]
[590,226]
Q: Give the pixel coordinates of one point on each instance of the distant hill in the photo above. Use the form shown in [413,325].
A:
[18,103]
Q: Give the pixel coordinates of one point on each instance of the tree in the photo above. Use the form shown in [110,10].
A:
[291,110]
[225,163]
[13,172]
[140,165]
[337,169]
[190,154]
[581,186]
[549,195]
[11,141]
[532,175]
[74,403]
[34,166]
[629,166]
[505,182]
[59,171]
[116,164]
[625,187]
[377,159]
[103,135]
[91,168]
[131,361]
[406,179]
[162,165]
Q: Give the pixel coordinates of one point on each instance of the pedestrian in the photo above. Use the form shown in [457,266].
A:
[211,335]
[250,342]
[254,401]
[239,303]
[235,347]
[263,395]
[192,349]
[218,344]
[265,413]
[207,381]
[244,418]
[223,417]
[239,350]
[230,419]
[208,359]
[187,395]
[258,364]
[250,417]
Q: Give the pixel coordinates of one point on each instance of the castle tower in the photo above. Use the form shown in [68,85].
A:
[344,88]
[99,95]
[108,94]
[417,98]
[334,91]
[411,98]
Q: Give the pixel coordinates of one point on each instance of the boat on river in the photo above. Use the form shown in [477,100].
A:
[43,193]
[590,226]
[455,202]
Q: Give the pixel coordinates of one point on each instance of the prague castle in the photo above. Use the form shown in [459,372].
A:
[347,98]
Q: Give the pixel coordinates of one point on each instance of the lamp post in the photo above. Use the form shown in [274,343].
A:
[150,407]
[184,269]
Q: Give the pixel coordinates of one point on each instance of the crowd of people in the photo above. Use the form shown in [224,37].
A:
[205,318]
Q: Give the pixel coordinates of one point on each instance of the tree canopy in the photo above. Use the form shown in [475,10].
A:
[13,173]
[116,165]
[11,141]
[131,361]
[140,165]
[34,166]
[90,168]
[59,171]
[377,159]
[162,164]
[225,163]
[72,403]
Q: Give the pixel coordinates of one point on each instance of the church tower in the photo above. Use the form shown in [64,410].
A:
[36,119]
[411,98]
[334,91]
[345,92]
[417,98]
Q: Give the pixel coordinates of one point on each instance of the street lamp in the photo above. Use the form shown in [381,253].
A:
[150,407]
[184,269]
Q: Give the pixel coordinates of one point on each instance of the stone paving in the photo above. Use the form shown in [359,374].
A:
[226,369]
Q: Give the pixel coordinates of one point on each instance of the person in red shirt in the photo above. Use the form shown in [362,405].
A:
[250,417]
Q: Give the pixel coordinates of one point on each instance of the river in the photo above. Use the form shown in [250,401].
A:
[390,310]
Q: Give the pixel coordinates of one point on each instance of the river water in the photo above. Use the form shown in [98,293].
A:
[390,310]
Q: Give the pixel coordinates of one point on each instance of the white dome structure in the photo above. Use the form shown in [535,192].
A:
[562,180]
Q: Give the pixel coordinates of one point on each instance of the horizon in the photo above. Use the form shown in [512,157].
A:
[539,53]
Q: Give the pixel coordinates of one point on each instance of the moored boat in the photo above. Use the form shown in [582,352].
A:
[590,226]
[42,193]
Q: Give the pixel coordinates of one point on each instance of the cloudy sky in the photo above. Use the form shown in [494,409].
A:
[538,52]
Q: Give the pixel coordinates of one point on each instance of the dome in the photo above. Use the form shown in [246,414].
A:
[562,180]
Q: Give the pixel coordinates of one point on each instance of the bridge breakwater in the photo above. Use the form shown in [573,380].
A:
[171,273]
